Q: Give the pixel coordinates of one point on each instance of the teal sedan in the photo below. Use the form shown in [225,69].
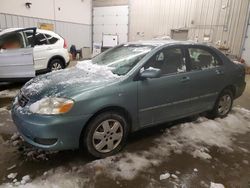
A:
[96,104]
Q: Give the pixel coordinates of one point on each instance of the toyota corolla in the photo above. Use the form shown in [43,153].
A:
[96,104]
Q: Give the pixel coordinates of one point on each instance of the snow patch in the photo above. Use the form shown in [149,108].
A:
[124,166]
[12,175]
[59,179]
[174,176]
[4,109]
[194,138]
[25,179]
[11,167]
[201,154]
[164,176]
[245,162]
[216,185]
[8,93]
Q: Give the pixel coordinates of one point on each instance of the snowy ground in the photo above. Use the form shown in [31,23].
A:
[200,153]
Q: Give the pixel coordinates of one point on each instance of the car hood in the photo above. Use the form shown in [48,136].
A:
[70,82]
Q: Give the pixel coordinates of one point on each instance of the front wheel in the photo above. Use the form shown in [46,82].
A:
[55,65]
[223,105]
[105,135]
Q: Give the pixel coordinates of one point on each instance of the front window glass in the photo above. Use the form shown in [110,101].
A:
[122,58]
[12,40]
[30,38]
[169,61]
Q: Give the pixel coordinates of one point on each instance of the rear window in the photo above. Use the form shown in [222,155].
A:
[41,39]
[51,40]
[202,59]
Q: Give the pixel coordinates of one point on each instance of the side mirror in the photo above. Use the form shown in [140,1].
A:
[151,73]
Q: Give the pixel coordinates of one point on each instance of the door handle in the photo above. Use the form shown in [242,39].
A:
[49,48]
[219,72]
[185,79]
[28,53]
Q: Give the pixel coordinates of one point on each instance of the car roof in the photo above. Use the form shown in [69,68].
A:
[9,30]
[158,43]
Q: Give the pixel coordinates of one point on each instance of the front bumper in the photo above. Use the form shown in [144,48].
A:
[64,130]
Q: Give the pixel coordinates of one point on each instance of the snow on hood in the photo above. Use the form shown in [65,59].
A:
[85,75]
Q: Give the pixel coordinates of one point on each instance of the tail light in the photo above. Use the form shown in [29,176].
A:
[65,44]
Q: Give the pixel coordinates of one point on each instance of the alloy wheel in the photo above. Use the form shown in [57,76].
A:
[107,136]
[56,66]
[225,103]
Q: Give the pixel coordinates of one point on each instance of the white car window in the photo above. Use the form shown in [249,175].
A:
[51,39]
[41,39]
[13,40]
[29,37]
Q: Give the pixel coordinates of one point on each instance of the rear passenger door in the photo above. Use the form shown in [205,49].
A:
[206,72]
[16,55]
[41,50]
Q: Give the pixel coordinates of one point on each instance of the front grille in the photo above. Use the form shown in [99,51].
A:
[22,99]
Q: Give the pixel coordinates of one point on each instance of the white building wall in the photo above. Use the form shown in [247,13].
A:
[76,11]
[71,19]
[223,20]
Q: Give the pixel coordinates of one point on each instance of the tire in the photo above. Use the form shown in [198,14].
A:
[219,110]
[105,135]
[56,64]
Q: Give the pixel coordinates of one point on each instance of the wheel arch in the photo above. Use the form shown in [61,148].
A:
[57,57]
[120,110]
[232,88]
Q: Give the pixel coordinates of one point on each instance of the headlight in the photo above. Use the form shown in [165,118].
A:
[51,105]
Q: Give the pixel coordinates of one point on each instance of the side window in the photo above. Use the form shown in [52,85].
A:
[169,60]
[29,38]
[13,40]
[41,39]
[201,59]
[51,40]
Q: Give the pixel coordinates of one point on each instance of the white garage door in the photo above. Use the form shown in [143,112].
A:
[111,20]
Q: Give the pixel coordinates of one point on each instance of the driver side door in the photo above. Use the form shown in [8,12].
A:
[16,57]
[165,98]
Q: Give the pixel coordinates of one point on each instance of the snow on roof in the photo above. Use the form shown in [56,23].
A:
[157,42]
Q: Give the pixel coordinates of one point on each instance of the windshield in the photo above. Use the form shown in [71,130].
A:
[122,58]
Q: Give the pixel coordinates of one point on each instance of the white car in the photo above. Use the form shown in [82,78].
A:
[27,52]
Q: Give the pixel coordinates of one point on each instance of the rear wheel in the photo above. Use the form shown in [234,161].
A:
[223,105]
[55,65]
[105,135]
